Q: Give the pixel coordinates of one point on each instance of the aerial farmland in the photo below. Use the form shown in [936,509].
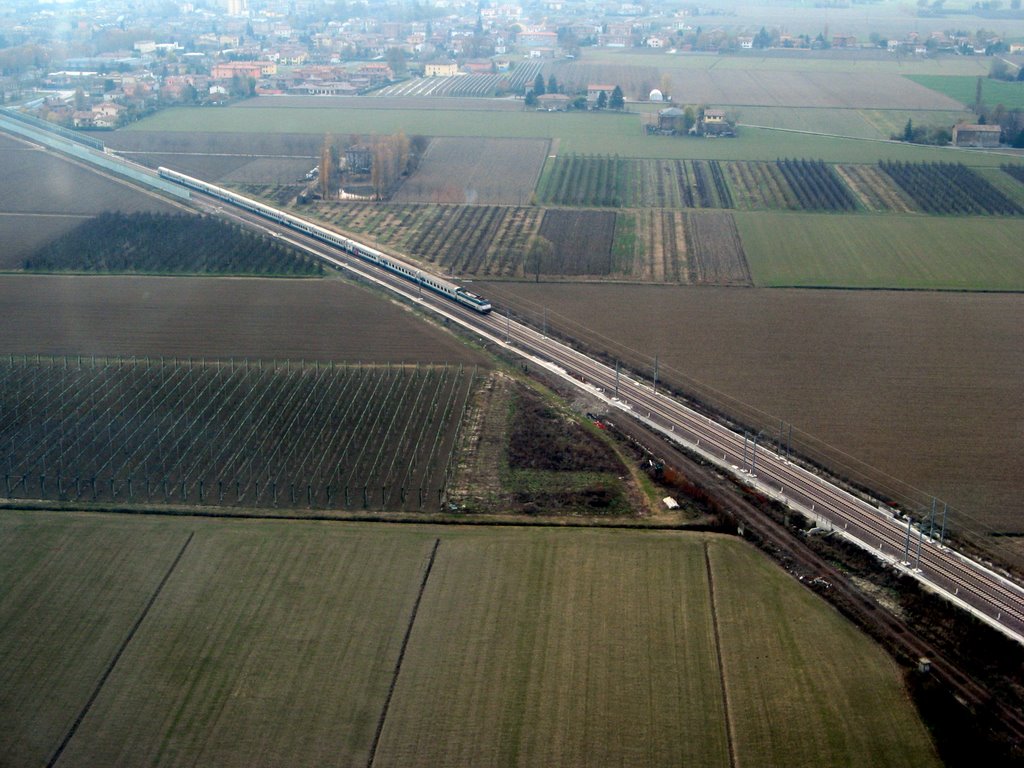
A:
[257,511]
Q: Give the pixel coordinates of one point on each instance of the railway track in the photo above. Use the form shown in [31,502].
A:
[989,595]
[785,545]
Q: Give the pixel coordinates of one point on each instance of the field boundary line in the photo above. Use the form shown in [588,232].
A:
[401,655]
[117,656]
[730,741]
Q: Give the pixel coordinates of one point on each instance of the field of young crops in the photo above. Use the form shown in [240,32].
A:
[964,253]
[963,89]
[238,433]
[184,641]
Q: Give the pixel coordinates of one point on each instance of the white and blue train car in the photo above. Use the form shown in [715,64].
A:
[409,272]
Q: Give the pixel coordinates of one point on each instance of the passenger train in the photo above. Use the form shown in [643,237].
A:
[401,268]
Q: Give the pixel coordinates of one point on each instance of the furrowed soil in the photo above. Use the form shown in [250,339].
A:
[22,234]
[44,197]
[38,182]
[582,241]
[215,317]
[482,171]
[922,387]
[184,641]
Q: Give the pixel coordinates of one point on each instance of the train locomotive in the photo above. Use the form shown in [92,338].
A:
[417,276]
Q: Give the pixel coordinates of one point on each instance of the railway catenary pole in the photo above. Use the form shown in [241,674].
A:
[920,539]
[942,533]
[906,544]
[753,463]
[617,366]
[655,387]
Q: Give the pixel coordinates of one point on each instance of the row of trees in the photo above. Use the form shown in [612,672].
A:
[391,158]
[167,243]
[615,100]
[949,188]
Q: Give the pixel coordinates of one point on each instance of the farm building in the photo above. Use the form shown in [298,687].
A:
[656,95]
[965,135]
[713,123]
[672,120]
[594,91]
[359,158]
[441,69]
[553,102]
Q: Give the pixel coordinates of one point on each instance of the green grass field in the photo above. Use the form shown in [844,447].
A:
[274,643]
[72,588]
[1009,94]
[852,123]
[583,133]
[542,648]
[863,251]
[781,710]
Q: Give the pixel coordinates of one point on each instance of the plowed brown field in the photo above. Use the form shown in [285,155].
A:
[227,317]
[483,171]
[923,387]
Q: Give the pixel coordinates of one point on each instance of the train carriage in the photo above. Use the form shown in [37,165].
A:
[415,275]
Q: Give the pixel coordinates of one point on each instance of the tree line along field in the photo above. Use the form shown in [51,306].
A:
[168,244]
[258,643]
[236,433]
